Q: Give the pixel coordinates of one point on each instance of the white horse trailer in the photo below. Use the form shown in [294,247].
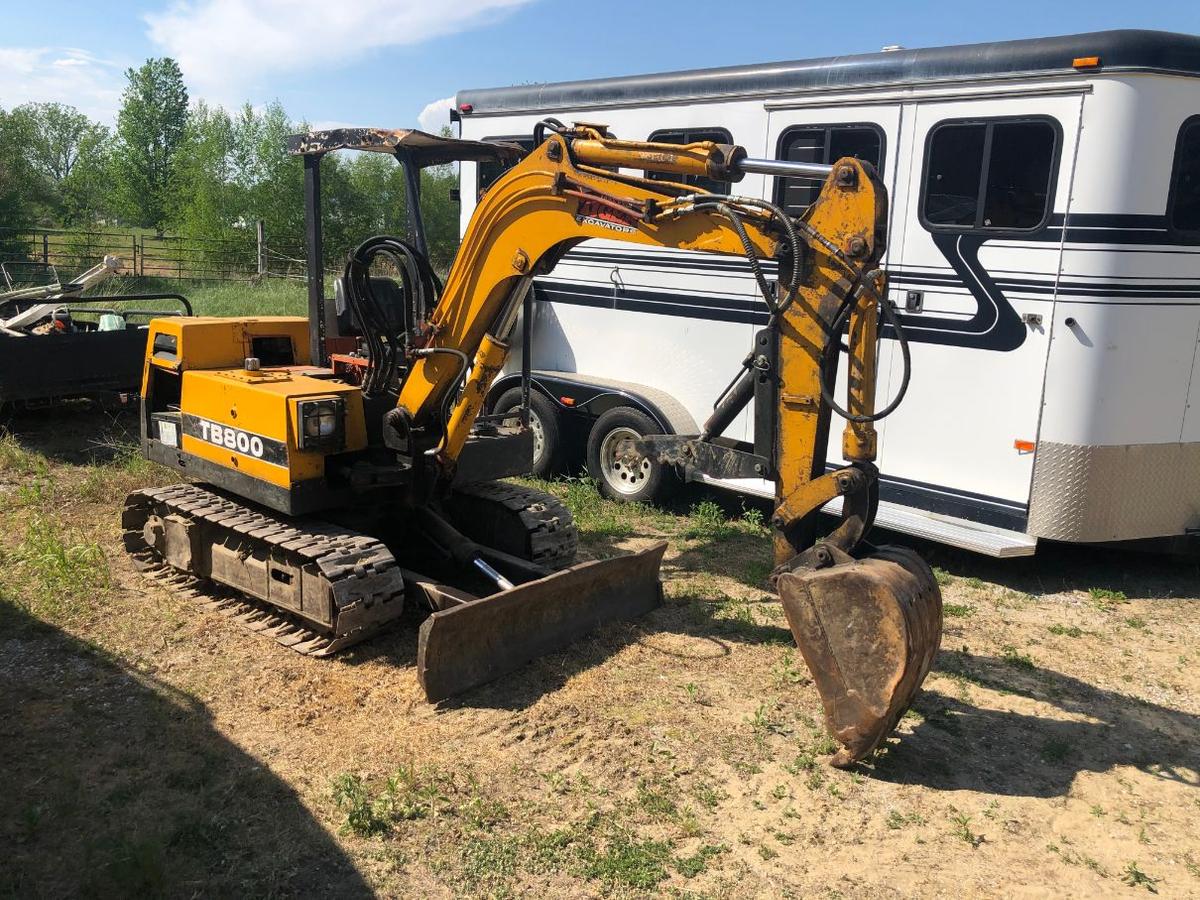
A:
[1044,254]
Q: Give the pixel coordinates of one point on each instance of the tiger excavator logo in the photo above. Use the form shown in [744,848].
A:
[592,213]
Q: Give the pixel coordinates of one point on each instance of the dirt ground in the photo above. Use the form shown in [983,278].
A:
[154,749]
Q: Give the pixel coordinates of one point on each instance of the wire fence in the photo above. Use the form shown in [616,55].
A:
[44,255]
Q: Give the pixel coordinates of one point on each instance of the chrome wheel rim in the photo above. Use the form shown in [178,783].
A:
[513,417]
[539,437]
[624,473]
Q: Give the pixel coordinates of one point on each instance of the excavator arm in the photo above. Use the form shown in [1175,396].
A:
[867,620]
[555,198]
[561,194]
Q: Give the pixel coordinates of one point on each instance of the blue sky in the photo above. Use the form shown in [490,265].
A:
[381,62]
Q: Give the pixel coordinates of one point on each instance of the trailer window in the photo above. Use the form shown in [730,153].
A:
[691,136]
[489,170]
[824,144]
[1184,204]
[996,175]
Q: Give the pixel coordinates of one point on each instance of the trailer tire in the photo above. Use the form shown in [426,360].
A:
[547,430]
[648,481]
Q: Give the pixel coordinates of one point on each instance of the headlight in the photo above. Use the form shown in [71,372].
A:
[322,424]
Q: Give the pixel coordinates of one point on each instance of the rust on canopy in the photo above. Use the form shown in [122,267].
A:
[423,148]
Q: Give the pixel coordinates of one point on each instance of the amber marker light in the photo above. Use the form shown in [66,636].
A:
[1086,62]
[1023,446]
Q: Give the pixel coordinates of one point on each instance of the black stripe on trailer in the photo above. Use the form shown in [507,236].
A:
[667,303]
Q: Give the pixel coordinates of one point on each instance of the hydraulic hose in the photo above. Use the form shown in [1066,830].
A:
[833,345]
[387,344]
[548,124]
[444,412]
[726,205]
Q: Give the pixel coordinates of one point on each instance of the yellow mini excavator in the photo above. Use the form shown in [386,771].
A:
[339,464]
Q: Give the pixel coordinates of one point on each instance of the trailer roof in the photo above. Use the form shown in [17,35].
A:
[1119,51]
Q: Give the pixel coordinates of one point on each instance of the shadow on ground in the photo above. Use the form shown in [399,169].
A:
[75,432]
[960,746]
[957,745]
[1069,567]
[1053,569]
[117,785]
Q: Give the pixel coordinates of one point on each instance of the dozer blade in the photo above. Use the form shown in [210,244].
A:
[480,640]
[869,631]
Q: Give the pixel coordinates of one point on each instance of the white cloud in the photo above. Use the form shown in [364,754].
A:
[222,44]
[90,83]
[435,115]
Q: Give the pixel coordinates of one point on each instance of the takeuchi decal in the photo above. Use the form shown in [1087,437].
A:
[592,213]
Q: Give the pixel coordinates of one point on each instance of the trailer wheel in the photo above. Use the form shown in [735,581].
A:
[547,432]
[618,478]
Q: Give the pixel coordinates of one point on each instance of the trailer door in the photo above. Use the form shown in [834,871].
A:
[973,263]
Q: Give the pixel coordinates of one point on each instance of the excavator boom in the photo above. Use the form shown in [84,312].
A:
[555,198]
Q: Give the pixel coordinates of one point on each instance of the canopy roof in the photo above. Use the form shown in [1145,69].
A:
[422,148]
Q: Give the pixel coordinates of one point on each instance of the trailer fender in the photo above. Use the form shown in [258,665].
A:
[589,397]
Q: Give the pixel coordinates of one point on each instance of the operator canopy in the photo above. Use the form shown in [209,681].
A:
[422,148]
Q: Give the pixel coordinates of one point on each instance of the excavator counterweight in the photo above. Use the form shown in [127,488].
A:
[346,465]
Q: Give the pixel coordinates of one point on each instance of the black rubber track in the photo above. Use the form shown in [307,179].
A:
[515,519]
[359,570]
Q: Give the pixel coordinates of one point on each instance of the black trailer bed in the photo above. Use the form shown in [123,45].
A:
[88,363]
[45,367]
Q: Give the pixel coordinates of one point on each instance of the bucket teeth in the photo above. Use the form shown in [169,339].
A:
[869,631]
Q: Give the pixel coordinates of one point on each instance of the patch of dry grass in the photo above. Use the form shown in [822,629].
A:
[677,755]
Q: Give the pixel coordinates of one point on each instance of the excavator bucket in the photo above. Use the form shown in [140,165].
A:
[869,630]
[471,641]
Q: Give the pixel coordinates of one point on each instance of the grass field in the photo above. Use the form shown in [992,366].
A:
[281,297]
[163,751]
[155,749]
[275,297]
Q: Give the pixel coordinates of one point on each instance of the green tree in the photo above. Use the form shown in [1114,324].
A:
[271,180]
[151,125]
[205,202]
[89,193]
[362,195]
[440,214]
[60,136]
[20,184]
[376,184]
[71,155]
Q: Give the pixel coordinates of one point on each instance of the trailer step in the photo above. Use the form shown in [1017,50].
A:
[974,536]
[978,538]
